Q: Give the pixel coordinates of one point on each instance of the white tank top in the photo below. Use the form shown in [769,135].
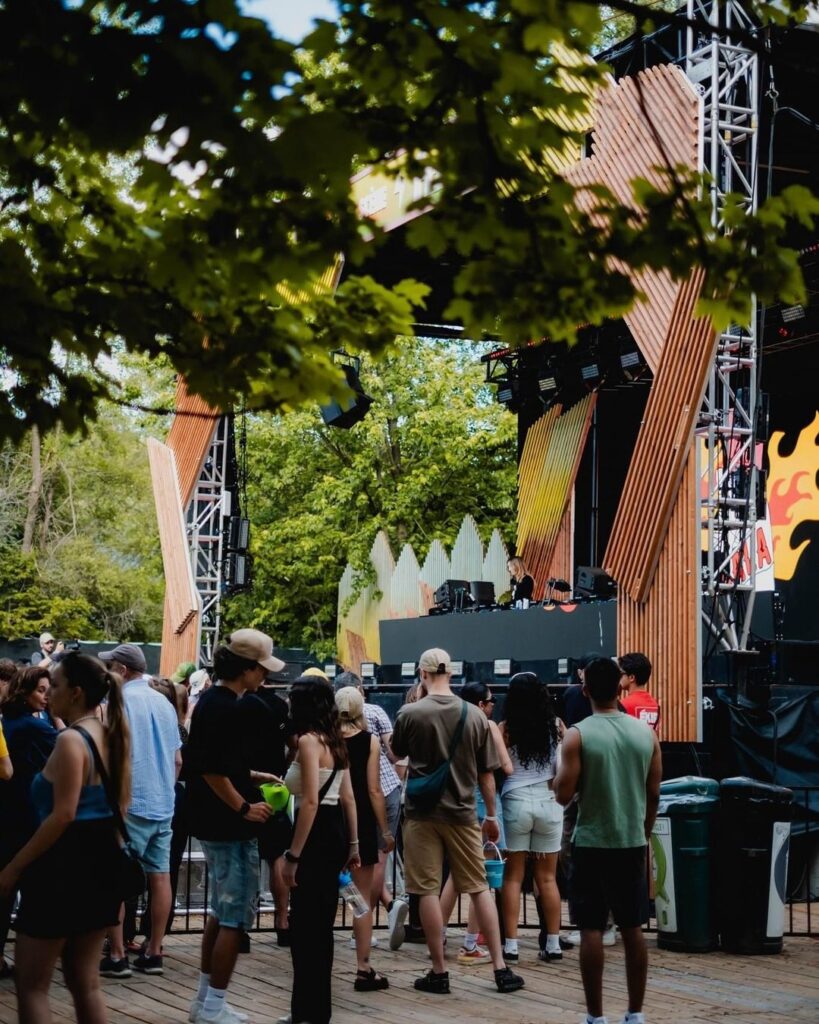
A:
[293,780]
[531,776]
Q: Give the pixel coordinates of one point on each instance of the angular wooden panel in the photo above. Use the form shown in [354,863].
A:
[494,564]
[548,467]
[662,447]
[561,566]
[434,571]
[405,592]
[190,436]
[666,626]
[642,124]
[467,552]
[182,608]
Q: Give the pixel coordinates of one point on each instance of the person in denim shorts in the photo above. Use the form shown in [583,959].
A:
[226,813]
[532,818]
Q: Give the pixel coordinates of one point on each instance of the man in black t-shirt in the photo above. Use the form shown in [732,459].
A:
[225,812]
[268,732]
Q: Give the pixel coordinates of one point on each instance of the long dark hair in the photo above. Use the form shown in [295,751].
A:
[530,720]
[97,683]
[21,686]
[313,709]
[474,693]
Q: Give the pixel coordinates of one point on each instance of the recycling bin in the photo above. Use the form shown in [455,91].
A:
[690,784]
[683,865]
[755,828]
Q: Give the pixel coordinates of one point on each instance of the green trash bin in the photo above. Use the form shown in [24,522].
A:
[684,866]
[690,784]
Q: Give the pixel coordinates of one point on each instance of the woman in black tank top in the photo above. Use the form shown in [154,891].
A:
[363,751]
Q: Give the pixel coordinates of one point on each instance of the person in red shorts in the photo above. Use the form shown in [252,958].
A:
[634,697]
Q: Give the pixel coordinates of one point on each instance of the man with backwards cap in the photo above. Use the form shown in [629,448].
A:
[155,764]
[226,812]
[48,647]
[437,729]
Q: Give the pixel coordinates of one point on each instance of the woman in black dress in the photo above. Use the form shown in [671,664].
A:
[68,872]
[523,585]
[363,751]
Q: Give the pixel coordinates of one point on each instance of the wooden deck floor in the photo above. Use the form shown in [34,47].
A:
[683,989]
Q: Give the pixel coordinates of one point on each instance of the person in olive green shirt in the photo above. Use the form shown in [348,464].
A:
[613,762]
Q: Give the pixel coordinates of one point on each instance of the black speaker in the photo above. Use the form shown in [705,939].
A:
[238,533]
[589,581]
[355,408]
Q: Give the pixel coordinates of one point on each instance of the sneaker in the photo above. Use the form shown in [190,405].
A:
[148,964]
[396,918]
[110,968]
[546,955]
[508,981]
[571,940]
[610,936]
[473,957]
[633,1018]
[196,1010]
[351,943]
[511,958]
[227,1015]
[436,984]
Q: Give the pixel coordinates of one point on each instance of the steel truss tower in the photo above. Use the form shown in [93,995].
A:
[207,511]
[726,73]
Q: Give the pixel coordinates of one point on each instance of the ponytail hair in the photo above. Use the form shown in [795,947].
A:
[97,682]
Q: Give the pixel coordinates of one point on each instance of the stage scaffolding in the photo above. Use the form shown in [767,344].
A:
[726,73]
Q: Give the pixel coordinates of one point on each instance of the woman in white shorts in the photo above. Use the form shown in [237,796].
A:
[533,819]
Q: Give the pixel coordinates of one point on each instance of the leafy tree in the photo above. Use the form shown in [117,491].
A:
[434,447]
[172,179]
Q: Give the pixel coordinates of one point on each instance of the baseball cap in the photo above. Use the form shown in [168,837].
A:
[255,646]
[435,661]
[350,703]
[183,671]
[45,637]
[197,681]
[126,654]
[313,671]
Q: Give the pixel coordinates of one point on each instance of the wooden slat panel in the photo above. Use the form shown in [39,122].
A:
[665,627]
[561,566]
[182,600]
[548,467]
[178,647]
[642,124]
[662,447]
[190,437]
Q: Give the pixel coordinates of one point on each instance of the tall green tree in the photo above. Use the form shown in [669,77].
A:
[434,447]
[167,167]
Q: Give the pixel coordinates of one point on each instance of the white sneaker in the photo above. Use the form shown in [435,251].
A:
[633,1018]
[573,938]
[610,937]
[396,919]
[227,1015]
[351,943]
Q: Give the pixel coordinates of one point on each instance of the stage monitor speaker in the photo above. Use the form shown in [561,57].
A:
[354,409]
[483,593]
[453,595]
[590,581]
[238,533]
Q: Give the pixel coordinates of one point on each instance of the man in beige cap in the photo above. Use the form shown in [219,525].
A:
[443,728]
[226,812]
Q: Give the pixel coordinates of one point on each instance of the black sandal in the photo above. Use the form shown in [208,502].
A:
[369,981]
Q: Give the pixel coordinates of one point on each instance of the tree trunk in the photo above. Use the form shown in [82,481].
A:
[34,491]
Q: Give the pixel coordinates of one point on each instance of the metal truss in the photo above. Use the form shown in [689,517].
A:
[726,74]
[205,528]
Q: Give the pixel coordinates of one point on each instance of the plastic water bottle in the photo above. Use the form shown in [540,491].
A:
[351,895]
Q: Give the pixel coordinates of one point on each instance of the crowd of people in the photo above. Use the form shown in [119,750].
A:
[105,771]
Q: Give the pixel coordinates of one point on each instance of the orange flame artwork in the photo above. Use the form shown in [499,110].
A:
[793,495]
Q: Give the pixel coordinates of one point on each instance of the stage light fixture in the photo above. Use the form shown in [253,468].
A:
[562,666]
[457,668]
[330,671]
[791,313]
[590,372]
[407,669]
[547,383]
[505,394]
[368,670]
[502,667]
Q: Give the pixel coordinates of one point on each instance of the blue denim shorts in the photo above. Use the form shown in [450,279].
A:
[151,842]
[233,876]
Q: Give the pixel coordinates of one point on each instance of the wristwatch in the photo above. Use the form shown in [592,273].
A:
[291,858]
[243,809]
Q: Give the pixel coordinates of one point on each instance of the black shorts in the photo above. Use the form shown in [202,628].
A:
[609,880]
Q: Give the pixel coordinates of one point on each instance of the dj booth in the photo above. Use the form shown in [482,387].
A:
[540,633]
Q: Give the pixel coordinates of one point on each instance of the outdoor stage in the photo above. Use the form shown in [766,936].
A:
[695,989]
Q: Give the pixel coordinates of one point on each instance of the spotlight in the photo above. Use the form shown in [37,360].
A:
[330,671]
[546,384]
[791,313]
[502,667]
[407,669]
[590,374]
[368,670]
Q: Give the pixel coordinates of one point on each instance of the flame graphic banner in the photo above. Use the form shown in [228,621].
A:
[793,495]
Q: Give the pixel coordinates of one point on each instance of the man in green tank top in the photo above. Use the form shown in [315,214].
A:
[612,761]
